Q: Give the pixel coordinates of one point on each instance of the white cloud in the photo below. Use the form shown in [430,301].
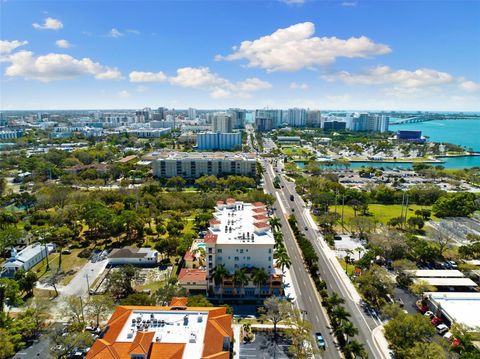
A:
[49,24]
[219,87]
[298,86]
[349,3]
[115,33]
[139,76]
[295,47]
[7,47]
[56,67]
[124,93]
[64,44]
[469,86]
[133,31]
[384,75]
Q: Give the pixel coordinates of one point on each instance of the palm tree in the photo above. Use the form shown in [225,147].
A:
[334,300]
[275,224]
[349,330]
[219,274]
[259,277]
[359,250]
[356,350]
[347,258]
[338,314]
[241,278]
[283,260]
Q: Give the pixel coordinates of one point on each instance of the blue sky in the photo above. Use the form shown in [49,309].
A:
[398,55]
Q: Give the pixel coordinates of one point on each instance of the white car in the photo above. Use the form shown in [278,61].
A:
[442,329]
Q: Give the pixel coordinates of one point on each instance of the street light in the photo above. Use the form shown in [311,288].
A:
[88,284]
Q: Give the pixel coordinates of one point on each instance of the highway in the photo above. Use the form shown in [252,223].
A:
[328,267]
[307,296]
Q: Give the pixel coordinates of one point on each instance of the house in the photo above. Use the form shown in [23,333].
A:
[194,280]
[145,257]
[27,258]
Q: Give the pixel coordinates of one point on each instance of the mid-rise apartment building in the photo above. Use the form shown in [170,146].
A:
[175,331]
[222,122]
[196,164]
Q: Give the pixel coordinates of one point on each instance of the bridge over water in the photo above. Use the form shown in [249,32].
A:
[415,119]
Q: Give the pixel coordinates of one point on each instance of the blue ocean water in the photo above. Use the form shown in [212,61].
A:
[464,133]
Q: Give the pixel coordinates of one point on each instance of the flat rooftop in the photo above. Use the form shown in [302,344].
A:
[436,273]
[460,307]
[172,155]
[448,282]
[168,327]
[242,222]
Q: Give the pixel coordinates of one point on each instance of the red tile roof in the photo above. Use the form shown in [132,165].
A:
[259,210]
[231,200]
[189,256]
[210,238]
[261,225]
[178,302]
[260,217]
[218,326]
[214,221]
[258,204]
[192,275]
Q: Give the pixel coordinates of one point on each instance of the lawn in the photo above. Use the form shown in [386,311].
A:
[351,267]
[380,212]
[71,263]
[296,151]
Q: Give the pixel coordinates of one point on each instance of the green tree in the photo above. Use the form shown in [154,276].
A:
[275,310]
[461,204]
[98,308]
[176,182]
[198,300]
[219,275]
[119,282]
[421,286]
[7,349]
[241,279]
[138,299]
[374,285]
[426,351]
[259,278]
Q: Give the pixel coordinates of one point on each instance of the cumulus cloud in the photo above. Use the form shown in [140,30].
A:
[64,44]
[219,87]
[296,47]
[7,47]
[382,75]
[49,24]
[469,86]
[139,76]
[404,82]
[115,33]
[298,86]
[54,66]
[124,93]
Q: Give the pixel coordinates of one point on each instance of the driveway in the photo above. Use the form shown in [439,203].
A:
[264,348]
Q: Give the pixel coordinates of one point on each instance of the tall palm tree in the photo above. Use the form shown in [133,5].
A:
[338,314]
[241,278]
[283,260]
[333,300]
[349,330]
[347,258]
[259,277]
[356,350]
[219,273]
[275,224]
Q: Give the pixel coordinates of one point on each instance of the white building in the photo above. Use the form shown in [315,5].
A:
[239,237]
[135,256]
[26,258]
[192,113]
[297,117]
[222,122]
[197,164]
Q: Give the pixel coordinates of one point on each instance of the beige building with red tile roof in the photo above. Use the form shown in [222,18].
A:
[174,332]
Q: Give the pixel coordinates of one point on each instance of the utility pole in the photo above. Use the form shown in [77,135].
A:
[88,284]
[343,209]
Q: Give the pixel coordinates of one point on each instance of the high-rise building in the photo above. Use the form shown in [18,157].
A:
[239,117]
[297,117]
[213,141]
[334,126]
[222,122]
[192,114]
[314,118]
[274,115]
[360,122]
[3,119]
[263,124]
[378,123]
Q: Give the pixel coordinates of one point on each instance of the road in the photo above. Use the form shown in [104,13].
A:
[308,299]
[329,270]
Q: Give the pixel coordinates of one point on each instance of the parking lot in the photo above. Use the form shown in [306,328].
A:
[263,347]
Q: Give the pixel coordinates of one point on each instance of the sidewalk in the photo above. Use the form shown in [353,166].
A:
[380,341]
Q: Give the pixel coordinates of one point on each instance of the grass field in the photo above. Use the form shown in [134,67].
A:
[71,263]
[296,151]
[380,212]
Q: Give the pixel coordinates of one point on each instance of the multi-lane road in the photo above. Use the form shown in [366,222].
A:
[337,281]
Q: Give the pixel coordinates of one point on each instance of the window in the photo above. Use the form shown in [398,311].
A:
[241,250]
[269,250]
[236,259]
[209,250]
[248,258]
[219,258]
[219,250]
[269,258]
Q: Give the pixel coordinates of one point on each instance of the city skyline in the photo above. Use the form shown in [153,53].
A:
[281,54]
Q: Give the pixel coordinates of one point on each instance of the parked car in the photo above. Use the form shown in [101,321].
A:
[429,314]
[442,329]
[451,265]
[320,341]
[66,251]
